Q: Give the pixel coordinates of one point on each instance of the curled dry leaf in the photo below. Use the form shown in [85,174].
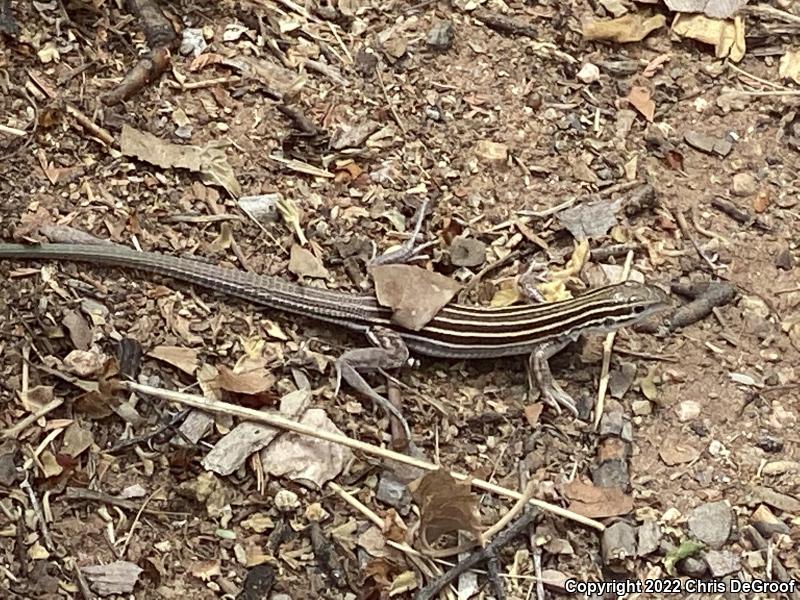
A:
[446,506]
[507,293]
[727,37]
[628,28]
[414,294]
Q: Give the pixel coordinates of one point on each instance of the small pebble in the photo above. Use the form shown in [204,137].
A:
[440,36]
[589,73]
[687,411]
[711,523]
[744,184]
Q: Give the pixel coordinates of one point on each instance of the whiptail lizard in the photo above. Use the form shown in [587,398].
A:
[456,332]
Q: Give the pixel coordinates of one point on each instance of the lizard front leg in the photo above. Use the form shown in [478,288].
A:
[551,391]
[390,352]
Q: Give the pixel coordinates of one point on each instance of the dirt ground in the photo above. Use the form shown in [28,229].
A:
[497,126]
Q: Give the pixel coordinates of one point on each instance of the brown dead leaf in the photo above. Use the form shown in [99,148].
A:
[206,569]
[100,398]
[597,502]
[446,506]
[654,66]
[205,60]
[80,332]
[184,359]
[414,294]
[640,98]
[250,382]
[211,163]
[304,263]
[632,27]
[727,37]
[675,452]
[533,412]
[76,440]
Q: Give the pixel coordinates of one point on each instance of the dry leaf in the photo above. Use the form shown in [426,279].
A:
[248,437]
[206,569]
[303,263]
[629,28]
[282,82]
[673,452]
[506,295]
[597,502]
[446,506]
[184,359]
[249,382]
[789,67]
[414,294]
[118,577]
[719,9]
[405,581]
[36,397]
[655,65]
[80,333]
[640,99]
[533,412]
[84,363]
[727,37]
[211,163]
[76,439]
[304,458]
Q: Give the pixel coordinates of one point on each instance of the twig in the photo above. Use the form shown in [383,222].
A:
[737,214]
[684,227]
[539,214]
[395,116]
[780,571]
[766,9]
[83,585]
[754,78]
[93,128]
[608,345]
[431,590]
[132,529]
[37,509]
[706,297]
[336,438]
[498,264]
[17,428]
[416,557]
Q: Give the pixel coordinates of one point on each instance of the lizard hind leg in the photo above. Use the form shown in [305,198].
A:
[389,352]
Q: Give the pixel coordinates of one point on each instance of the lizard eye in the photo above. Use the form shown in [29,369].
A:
[639,309]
